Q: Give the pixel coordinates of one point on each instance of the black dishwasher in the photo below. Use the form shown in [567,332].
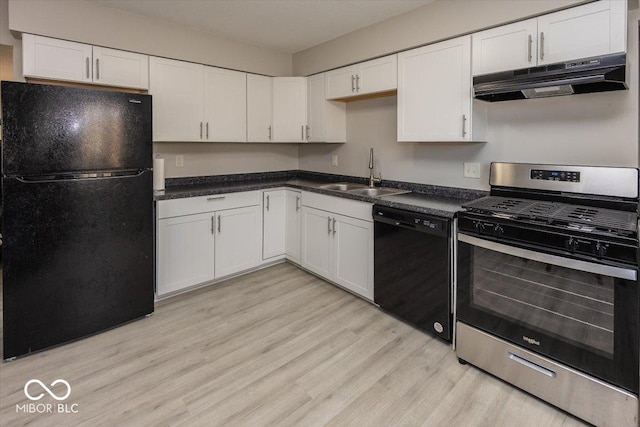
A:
[412,268]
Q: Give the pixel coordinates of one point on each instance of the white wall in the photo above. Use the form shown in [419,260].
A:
[86,22]
[590,129]
[214,158]
[435,21]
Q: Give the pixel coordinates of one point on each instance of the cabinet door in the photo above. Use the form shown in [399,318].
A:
[273,223]
[259,108]
[289,109]
[225,105]
[353,255]
[434,92]
[185,252]
[238,236]
[341,83]
[377,75]
[120,68]
[316,108]
[176,87]
[293,223]
[56,59]
[593,29]
[317,241]
[509,47]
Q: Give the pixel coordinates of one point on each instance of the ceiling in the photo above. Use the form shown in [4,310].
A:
[284,25]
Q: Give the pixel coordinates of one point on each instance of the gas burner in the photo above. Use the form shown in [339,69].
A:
[583,213]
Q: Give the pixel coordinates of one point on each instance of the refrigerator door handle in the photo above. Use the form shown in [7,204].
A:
[79,176]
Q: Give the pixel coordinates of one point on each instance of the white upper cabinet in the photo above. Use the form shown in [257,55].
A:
[593,29]
[177,89]
[509,47]
[259,108]
[225,105]
[375,76]
[289,109]
[54,59]
[192,102]
[341,83]
[327,120]
[119,68]
[434,93]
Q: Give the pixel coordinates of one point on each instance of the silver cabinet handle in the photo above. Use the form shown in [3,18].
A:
[267,202]
[87,62]
[200,130]
[297,203]
[464,125]
[353,85]
[269,133]
[214,198]
[542,45]
[212,221]
[207,127]
[329,224]
[219,223]
[302,134]
[97,68]
[530,44]
[357,83]
[308,131]
[334,226]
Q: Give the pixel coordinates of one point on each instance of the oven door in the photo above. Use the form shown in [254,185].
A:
[582,314]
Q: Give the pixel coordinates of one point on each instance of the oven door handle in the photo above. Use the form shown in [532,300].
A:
[605,270]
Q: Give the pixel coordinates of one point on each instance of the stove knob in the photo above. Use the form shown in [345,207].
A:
[479,227]
[570,244]
[600,250]
[498,231]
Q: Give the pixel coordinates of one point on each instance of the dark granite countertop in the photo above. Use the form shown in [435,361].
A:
[427,199]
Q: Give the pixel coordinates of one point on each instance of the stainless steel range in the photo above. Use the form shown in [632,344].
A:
[547,286]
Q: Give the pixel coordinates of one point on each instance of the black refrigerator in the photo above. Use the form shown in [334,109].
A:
[77,213]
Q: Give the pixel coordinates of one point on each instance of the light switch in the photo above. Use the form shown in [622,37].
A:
[334,160]
[179,160]
[471,170]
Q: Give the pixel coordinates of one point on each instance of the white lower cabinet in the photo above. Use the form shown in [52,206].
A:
[293,224]
[339,247]
[238,240]
[200,239]
[274,223]
[185,252]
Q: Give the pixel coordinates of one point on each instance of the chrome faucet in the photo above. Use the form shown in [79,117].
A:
[372,179]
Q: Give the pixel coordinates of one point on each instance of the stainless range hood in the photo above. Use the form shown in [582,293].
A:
[598,74]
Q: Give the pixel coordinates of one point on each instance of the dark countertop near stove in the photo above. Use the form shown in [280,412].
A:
[427,199]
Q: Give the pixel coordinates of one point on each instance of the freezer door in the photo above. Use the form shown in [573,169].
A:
[78,258]
[49,129]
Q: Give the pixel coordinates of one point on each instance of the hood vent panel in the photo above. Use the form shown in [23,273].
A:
[600,74]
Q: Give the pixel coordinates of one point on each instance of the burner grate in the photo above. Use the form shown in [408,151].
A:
[557,213]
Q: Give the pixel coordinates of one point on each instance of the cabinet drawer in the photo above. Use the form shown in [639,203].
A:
[214,202]
[338,205]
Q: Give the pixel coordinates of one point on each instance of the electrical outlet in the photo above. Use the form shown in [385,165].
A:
[334,160]
[179,160]
[471,170]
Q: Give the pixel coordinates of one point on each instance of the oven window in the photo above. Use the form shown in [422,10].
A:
[574,305]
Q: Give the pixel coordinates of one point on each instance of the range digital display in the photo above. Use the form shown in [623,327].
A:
[550,175]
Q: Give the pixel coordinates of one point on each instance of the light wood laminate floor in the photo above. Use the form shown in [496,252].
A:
[275,347]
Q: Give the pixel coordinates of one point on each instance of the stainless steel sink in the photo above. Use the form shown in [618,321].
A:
[342,186]
[377,191]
